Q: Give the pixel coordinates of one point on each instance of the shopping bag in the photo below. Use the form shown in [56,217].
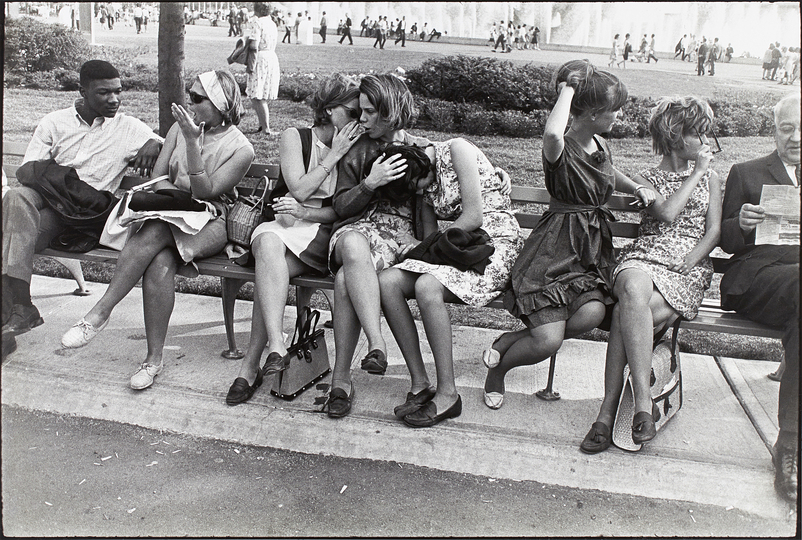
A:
[245,215]
[306,361]
[666,390]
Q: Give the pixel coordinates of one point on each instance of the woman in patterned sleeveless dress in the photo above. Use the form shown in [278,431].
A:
[296,242]
[663,273]
[264,80]
[561,281]
[465,189]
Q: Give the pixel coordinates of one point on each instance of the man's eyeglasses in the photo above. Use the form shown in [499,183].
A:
[197,99]
[353,113]
[713,149]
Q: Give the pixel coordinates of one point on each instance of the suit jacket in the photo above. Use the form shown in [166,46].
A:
[744,185]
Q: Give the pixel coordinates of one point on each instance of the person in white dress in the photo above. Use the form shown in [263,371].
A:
[263,82]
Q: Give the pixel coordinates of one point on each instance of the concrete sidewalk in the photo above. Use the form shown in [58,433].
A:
[715,451]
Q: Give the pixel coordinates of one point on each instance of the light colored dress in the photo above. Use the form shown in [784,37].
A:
[263,82]
[660,244]
[497,220]
[306,239]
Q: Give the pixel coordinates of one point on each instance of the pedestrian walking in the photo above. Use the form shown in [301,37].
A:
[347,31]
[401,32]
[651,51]
[288,29]
[323,27]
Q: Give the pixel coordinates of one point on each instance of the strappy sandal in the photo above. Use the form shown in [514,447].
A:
[375,362]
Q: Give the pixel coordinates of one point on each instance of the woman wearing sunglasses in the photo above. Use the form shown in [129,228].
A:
[297,241]
[206,155]
[665,271]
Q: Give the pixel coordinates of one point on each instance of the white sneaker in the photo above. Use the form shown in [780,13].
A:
[144,377]
[80,334]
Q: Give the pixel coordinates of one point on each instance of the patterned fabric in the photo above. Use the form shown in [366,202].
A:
[497,220]
[568,258]
[99,153]
[263,82]
[660,244]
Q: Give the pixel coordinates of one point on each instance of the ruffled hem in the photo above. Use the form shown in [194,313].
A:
[554,295]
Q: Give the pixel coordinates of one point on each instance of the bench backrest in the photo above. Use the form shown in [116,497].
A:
[15,150]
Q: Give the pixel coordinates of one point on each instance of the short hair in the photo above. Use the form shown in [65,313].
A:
[232,92]
[96,70]
[595,90]
[674,117]
[391,97]
[262,9]
[790,99]
[334,91]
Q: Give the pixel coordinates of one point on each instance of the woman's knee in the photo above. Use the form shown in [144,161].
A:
[352,247]
[268,247]
[391,280]
[428,291]
[633,287]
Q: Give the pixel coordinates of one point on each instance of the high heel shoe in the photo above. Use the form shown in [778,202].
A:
[494,400]
[241,391]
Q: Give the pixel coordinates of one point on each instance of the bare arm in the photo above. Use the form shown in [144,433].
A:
[644,191]
[712,229]
[464,161]
[554,130]
[668,209]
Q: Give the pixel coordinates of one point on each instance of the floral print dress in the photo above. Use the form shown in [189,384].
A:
[497,220]
[660,244]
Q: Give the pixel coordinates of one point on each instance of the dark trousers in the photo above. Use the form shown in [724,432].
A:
[700,66]
[499,41]
[138,22]
[773,299]
[437,35]
[287,35]
[347,34]
[232,29]
[323,33]
[712,63]
[402,37]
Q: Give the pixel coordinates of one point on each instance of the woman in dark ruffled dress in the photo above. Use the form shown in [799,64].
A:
[561,281]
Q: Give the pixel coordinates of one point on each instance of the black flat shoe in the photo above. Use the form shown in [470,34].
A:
[274,364]
[241,391]
[427,415]
[643,428]
[414,402]
[339,403]
[598,439]
[375,362]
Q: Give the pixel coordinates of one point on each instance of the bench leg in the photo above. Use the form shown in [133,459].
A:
[547,393]
[230,288]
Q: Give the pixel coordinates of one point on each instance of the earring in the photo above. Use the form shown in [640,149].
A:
[593,117]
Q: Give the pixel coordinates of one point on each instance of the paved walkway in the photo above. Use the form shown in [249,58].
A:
[715,451]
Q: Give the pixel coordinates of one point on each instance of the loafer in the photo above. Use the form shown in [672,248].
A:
[81,333]
[598,438]
[643,428]
[241,391]
[786,472]
[22,319]
[494,400]
[414,402]
[375,362]
[144,377]
[491,358]
[273,364]
[339,403]
[427,415]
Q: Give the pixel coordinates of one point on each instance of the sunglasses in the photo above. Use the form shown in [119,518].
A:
[353,113]
[717,148]
[197,99]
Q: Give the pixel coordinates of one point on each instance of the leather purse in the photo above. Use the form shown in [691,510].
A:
[666,390]
[306,361]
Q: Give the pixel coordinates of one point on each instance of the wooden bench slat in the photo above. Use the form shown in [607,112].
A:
[14,148]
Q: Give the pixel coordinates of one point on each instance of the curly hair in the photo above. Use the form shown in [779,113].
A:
[334,91]
[391,97]
[674,117]
[595,90]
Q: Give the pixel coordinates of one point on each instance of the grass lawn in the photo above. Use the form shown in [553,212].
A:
[207,48]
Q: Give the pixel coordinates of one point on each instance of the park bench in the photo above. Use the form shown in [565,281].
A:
[527,201]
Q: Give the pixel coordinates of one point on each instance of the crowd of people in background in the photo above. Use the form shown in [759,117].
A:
[510,37]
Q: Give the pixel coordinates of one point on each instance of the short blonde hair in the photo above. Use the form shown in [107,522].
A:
[391,97]
[674,117]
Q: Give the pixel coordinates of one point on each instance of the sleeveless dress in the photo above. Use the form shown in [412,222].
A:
[659,244]
[263,82]
[568,258]
[306,239]
[497,220]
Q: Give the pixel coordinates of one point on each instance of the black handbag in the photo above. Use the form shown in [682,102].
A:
[306,361]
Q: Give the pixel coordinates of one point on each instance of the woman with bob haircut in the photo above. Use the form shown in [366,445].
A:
[373,228]
[297,241]
[664,273]
[561,281]
[205,154]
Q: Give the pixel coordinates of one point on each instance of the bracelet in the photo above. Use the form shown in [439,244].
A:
[197,173]
[328,171]
[637,188]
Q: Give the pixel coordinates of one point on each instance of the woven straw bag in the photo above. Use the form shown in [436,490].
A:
[245,215]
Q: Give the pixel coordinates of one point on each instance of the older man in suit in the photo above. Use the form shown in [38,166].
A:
[762,281]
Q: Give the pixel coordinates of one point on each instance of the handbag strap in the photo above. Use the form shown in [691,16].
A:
[260,203]
[307,328]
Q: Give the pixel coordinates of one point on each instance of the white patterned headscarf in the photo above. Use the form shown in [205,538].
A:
[211,85]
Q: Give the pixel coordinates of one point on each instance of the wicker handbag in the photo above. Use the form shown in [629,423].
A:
[245,215]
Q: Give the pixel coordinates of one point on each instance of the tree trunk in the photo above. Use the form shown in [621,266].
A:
[171,62]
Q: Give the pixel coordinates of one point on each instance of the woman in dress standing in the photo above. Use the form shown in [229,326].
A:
[371,231]
[206,155]
[615,52]
[561,281]
[463,188]
[263,81]
[297,241]
[665,272]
